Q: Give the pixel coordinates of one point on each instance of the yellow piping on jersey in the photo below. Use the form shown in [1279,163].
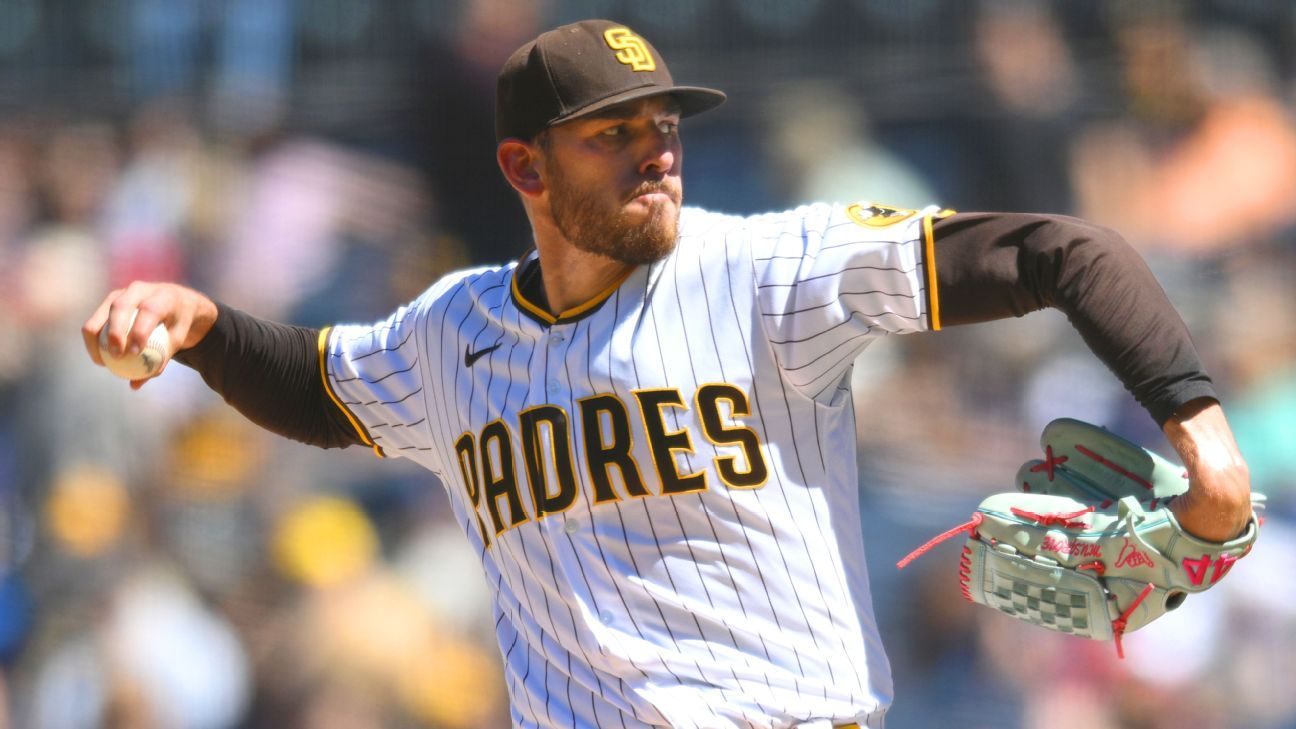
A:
[933,296]
[364,437]
[548,318]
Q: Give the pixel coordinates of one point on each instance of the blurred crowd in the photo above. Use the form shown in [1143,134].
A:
[165,564]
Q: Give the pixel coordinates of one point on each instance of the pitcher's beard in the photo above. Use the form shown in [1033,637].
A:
[612,233]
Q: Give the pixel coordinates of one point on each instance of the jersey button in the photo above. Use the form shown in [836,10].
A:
[605,617]
[557,338]
[553,387]
[571,527]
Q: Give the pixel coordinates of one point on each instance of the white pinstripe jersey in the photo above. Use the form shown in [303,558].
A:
[661,484]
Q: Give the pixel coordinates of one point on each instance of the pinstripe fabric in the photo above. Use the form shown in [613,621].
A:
[662,491]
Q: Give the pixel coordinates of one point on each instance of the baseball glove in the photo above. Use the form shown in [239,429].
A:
[1089,547]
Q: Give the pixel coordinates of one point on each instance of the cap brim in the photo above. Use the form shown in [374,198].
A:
[692,100]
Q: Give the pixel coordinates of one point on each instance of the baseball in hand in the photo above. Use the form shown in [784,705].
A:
[139,366]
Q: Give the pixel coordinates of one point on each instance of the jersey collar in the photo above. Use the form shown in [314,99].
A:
[528,293]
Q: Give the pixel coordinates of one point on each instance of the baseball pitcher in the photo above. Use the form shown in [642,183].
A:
[644,423]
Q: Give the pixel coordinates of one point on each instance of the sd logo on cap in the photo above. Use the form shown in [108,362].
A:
[631,49]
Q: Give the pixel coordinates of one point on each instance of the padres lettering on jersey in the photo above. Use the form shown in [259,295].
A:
[661,485]
[545,449]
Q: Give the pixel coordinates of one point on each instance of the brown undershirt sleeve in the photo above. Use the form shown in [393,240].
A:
[269,372]
[996,265]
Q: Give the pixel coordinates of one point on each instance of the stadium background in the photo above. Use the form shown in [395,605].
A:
[166,565]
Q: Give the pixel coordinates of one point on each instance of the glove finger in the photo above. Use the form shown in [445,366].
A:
[1113,466]
[1056,527]
[1036,477]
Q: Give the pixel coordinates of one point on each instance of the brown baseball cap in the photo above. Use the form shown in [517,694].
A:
[578,69]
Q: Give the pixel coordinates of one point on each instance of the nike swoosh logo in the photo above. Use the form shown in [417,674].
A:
[470,356]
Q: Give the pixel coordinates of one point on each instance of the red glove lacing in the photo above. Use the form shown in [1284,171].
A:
[1118,625]
[969,527]
[1062,520]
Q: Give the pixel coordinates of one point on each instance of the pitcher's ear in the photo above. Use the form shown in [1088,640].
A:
[519,160]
